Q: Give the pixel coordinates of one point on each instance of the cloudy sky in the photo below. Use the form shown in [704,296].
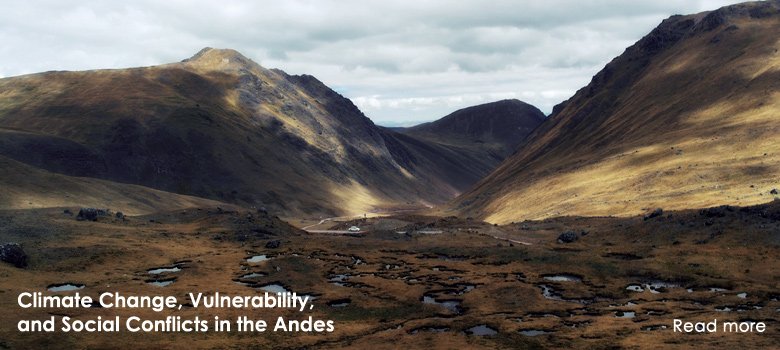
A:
[401,62]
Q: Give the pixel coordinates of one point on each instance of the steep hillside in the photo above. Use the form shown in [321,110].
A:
[684,118]
[221,127]
[495,128]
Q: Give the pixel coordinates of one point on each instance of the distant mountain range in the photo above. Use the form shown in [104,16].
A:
[219,128]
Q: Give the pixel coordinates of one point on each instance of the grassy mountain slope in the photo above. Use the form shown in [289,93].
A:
[684,118]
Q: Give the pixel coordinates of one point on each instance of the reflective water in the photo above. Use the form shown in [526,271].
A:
[482,330]
[67,287]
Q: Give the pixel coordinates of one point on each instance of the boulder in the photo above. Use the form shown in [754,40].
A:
[273,244]
[90,214]
[12,253]
[716,212]
[773,191]
[568,237]
[655,213]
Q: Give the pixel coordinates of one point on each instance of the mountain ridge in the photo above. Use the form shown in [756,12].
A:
[221,127]
[643,133]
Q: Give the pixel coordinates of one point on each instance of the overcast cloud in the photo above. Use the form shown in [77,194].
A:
[401,62]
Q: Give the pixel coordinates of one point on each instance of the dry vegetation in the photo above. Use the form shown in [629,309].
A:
[383,277]
[685,118]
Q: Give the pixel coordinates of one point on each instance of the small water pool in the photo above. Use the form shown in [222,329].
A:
[65,287]
[481,330]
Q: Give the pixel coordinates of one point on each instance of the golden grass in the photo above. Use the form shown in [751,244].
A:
[699,128]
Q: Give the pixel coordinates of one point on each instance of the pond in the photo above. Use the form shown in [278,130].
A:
[563,278]
[481,330]
[533,332]
[278,288]
[64,287]
[161,283]
[434,329]
[274,288]
[257,258]
[635,288]
[252,275]
[451,305]
[340,303]
[161,270]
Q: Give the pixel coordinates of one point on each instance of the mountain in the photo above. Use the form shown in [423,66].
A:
[220,127]
[495,128]
[684,118]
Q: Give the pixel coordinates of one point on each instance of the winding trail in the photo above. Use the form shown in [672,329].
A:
[492,234]
[384,213]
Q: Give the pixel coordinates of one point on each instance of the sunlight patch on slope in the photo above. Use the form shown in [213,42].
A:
[693,174]
[355,198]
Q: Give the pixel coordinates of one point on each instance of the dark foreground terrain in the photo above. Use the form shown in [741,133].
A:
[414,281]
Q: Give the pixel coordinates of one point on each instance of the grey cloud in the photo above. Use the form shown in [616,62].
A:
[400,61]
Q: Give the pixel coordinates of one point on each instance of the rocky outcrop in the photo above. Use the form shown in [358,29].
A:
[13,253]
[90,214]
[653,214]
[568,237]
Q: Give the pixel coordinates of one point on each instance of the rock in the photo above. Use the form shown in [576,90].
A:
[67,212]
[655,213]
[120,215]
[12,253]
[273,244]
[90,214]
[568,237]
[773,191]
[717,212]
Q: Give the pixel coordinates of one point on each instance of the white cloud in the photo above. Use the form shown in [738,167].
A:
[400,61]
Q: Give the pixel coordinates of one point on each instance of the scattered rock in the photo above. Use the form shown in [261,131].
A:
[67,212]
[717,212]
[120,215]
[773,191]
[90,214]
[12,253]
[568,237]
[655,213]
[273,244]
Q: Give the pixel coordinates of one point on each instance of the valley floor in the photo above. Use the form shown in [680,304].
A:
[414,281]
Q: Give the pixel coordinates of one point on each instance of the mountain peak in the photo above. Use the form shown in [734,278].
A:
[220,59]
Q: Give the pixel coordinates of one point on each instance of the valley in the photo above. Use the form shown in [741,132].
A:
[646,202]
[414,281]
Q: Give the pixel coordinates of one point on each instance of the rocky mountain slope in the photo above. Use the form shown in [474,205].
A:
[494,129]
[219,126]
[684,118]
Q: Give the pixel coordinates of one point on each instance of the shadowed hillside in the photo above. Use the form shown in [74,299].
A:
[221,127]
[496,128]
